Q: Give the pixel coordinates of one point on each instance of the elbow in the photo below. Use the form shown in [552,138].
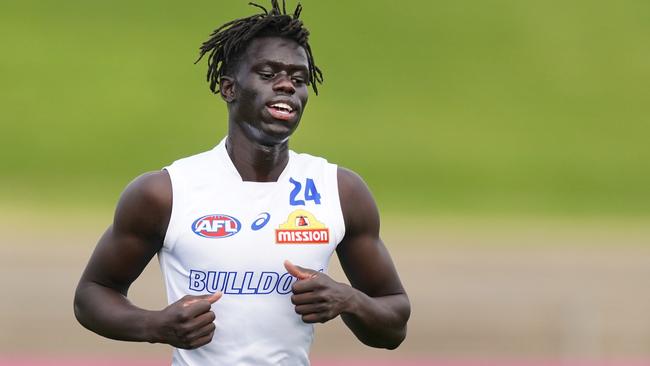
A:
[388,331]
[395,341]
[389,342]
[79,307]
[399,334]
[394,335]
[398,340]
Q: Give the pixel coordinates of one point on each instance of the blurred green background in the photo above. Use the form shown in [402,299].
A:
[444,107]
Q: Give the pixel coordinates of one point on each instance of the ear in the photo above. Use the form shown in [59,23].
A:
[227,89]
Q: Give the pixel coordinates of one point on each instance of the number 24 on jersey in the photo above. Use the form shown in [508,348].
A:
[310,193]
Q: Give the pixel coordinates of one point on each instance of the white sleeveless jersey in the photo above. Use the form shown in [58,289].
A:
[233,236]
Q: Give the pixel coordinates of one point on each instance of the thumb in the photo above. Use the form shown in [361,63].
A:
[299,272]
[215,297]
[211,298]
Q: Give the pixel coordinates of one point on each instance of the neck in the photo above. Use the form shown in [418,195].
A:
[255,162]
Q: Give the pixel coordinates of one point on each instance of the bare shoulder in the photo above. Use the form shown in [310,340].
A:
[154,187]
[357,203]
[348,179]
[352,185]
[145,205]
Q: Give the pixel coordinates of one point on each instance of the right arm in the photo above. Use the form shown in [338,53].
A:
[122,253]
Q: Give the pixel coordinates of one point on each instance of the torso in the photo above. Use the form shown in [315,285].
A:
[233,236]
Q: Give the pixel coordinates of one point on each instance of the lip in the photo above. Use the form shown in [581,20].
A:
[283,116]
[280,115]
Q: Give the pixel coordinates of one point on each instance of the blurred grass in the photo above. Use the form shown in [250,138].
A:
[501,107]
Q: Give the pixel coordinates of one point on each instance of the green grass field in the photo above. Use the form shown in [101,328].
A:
[444,107]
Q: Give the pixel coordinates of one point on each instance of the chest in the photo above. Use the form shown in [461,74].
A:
[254,227]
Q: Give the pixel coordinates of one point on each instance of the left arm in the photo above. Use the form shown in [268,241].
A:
[375,307]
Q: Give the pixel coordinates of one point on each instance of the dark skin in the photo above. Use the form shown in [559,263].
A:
[374,306]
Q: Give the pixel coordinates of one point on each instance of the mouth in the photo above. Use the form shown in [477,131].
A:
[281,111]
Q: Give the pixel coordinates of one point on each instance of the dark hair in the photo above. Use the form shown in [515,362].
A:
[227,42]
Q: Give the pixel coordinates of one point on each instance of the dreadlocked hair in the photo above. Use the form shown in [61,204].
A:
[228,41]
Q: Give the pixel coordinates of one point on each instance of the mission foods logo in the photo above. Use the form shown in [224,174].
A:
[302,227]
[216,226]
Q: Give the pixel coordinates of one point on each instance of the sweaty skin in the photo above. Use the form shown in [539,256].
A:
[374,306]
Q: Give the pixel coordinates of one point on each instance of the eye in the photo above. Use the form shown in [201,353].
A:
[298,80]
[266,75]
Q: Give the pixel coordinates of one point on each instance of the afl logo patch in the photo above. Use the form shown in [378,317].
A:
[216,226]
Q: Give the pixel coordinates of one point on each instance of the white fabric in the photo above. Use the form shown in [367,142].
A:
[255,321]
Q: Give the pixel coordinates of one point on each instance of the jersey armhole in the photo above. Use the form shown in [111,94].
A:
[171,232]
[338,211]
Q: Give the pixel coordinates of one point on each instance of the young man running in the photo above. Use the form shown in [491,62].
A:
[244,232]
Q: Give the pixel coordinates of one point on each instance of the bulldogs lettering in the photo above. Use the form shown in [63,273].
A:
[237,283]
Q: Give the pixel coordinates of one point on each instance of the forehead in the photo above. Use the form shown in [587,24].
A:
[275,49]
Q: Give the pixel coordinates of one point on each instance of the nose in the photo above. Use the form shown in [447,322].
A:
[284,84]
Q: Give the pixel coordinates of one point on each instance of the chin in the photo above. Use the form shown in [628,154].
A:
[268,135]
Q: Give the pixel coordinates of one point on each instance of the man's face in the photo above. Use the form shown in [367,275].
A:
[269,89]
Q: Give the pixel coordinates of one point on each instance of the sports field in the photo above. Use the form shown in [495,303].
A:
[506,143]
[483,293]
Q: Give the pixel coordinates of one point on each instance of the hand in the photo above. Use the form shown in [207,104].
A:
[188,323]
[316,296]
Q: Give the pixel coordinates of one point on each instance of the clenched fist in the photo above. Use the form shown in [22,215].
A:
[188,323]
[316,296]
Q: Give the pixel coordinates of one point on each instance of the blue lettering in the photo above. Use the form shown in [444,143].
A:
[230,287]
[294,193]
[216,281]
[240,283]
[246,285]
[284,284]
[268,281]
[311,193]
[197,280]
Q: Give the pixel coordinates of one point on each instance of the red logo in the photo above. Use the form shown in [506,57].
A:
[216,226]
[302,227]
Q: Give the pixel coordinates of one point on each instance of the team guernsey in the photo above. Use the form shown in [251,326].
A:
[233,236]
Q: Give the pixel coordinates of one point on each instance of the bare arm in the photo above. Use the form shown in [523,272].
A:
[375,307]
[137,233]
